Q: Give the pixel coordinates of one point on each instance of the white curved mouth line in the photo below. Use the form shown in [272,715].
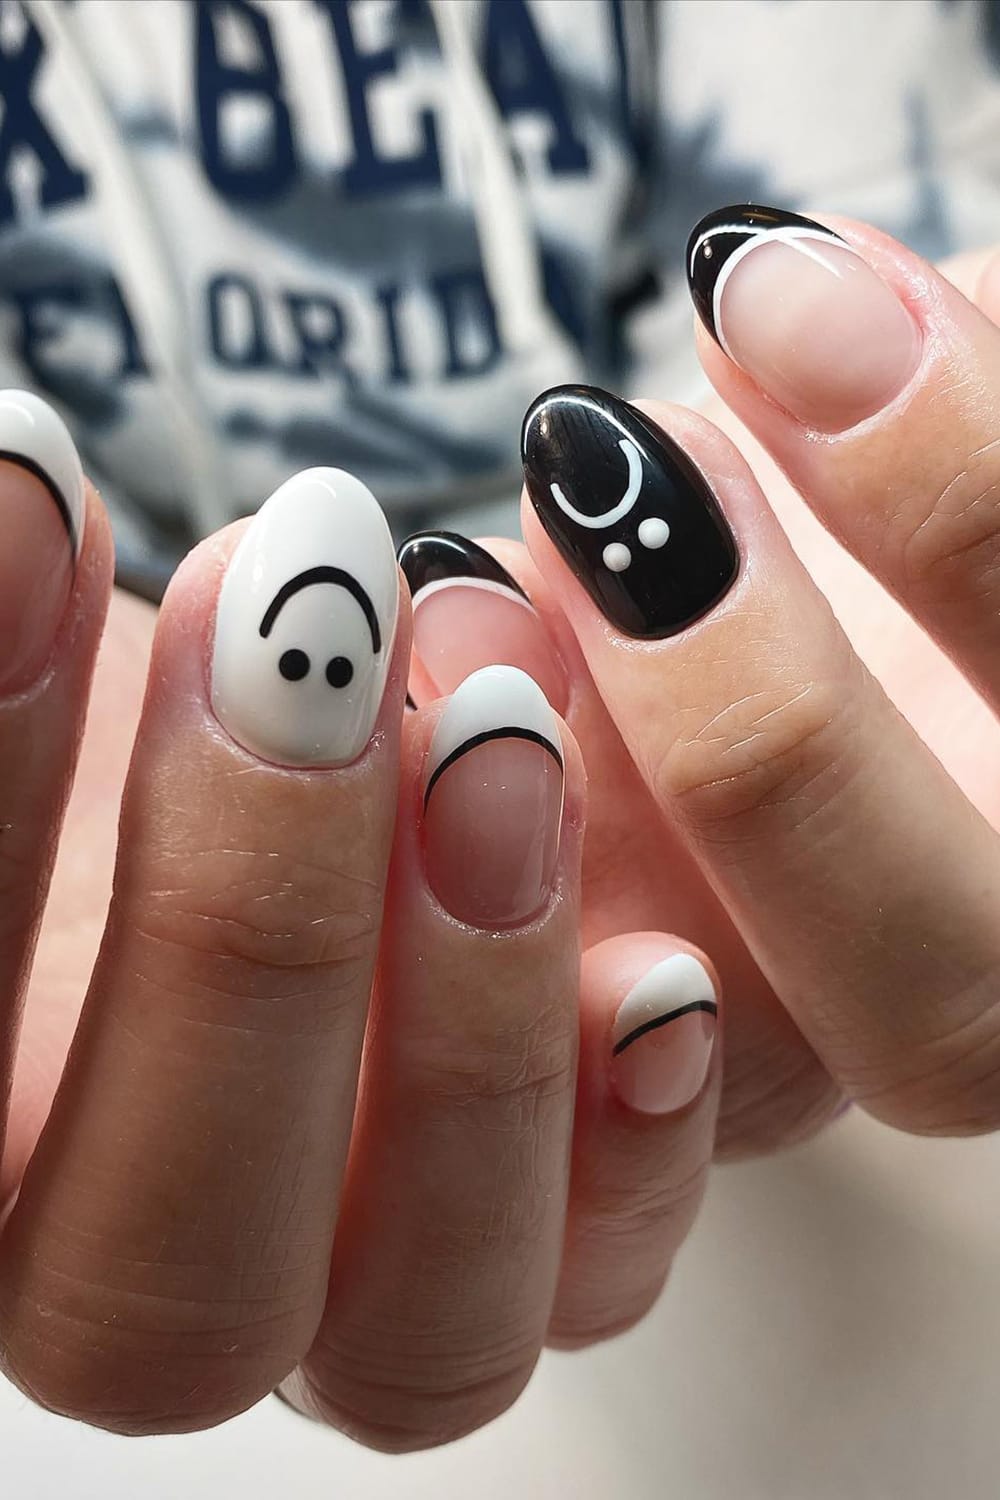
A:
[597,523]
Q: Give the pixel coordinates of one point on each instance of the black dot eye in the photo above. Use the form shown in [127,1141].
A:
[339,672]
[293,665]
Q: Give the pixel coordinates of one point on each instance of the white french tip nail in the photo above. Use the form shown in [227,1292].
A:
[674,987]
[492,704]
[306,622]
[35,437]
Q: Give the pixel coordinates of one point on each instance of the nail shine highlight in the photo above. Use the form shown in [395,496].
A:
[629,511]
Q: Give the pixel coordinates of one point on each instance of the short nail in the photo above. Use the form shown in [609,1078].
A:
[306,622]
[628,510]
[468,612]
[802,313]
[41,517]
[663,1036]
[493,797]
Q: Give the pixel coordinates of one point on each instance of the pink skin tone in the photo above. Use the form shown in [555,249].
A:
[458,628]
[836,345]
[491,833]
[36,572]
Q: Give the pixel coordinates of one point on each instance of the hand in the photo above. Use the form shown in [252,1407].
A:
[207,1213]
[750,785]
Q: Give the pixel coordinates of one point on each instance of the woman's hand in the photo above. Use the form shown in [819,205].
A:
[752,787]
[215,1205]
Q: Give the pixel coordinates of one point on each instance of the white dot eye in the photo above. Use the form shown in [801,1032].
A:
[617,557]
[653,532]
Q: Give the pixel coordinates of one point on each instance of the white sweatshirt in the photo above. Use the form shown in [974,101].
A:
[240,238]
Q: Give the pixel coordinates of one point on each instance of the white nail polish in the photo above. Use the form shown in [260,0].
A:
[306,622]
[494,703]
[675,987]
[34,436]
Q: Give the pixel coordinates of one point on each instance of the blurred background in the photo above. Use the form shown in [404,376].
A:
[831,1333]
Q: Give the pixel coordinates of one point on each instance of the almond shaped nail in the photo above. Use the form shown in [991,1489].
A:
[42,518]
[628,509]
[493,799]
[36,438]
[726,236]
[469,612]
[663,1036]
[306,622]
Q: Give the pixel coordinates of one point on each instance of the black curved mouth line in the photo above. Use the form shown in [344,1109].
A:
[708,1006]
[62,505]
[323,574]
[509,732]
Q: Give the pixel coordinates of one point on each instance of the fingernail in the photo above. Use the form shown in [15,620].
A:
[41,518]
[493,797]
[663,1036]
[627,509]
[468,612]
[305,623]
[802,313]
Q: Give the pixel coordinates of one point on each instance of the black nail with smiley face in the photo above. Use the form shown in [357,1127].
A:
[629,511]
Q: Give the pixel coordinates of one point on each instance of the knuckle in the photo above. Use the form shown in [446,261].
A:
[397,1409]
[517,1073]
[141,1363]
[580,1327]
[295,916]
[780,747]
[942,1085]
[953,546]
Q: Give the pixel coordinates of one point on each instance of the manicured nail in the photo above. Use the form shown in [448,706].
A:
[663,1036]
[493,796]
[802,313]
[628,510]
[41,517]
[305,623]
[468,612]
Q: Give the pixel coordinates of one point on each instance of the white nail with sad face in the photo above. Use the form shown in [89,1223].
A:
[306,622]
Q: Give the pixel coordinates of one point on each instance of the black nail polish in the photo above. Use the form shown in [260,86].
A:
[730,232]
[432,557]
[628,510]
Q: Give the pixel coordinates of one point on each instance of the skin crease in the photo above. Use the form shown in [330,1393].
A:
[921,681]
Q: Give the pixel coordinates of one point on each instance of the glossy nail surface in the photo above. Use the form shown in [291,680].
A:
[628,510]
[663,1036]
[41,516]
[306,622]
[468,612]
[802,313]
[493,796]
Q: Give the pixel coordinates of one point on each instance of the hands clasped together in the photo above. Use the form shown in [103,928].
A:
[345,1114]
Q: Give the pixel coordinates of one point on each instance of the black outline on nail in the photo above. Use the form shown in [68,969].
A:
[509,732]
[62,505]
[708,1006]
[733,227]
[325,573]
[451,558]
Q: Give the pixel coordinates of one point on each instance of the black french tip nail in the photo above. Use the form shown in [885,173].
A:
[628,510]
[437,556]
[719,235]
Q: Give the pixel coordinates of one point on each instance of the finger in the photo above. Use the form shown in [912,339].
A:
[649,1083]
[55,581]
[447,1250]
[828,829]
[638,874]
[873,383]
[167,1259]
